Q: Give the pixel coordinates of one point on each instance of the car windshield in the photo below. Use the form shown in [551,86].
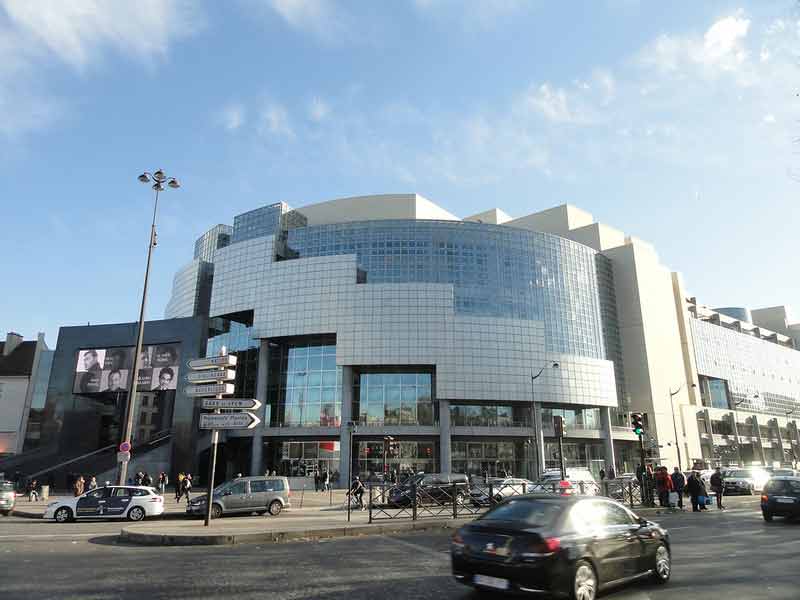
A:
[531,512]
[739,473]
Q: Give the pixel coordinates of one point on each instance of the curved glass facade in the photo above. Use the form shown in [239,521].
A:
[496,271]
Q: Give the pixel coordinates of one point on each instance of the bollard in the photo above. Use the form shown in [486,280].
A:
[524,488]
[349,499]
[491,494]
[455,503]
[414,502]
[302,493]
[370,505]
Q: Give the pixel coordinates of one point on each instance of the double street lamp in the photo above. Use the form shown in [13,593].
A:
[159,180]
[674,424]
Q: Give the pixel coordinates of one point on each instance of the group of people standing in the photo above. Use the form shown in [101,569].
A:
[81,486]
[322,481]
[661,484]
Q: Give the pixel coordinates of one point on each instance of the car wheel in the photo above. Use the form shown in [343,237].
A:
[584,582]
[216,511]
[663,566]
[767,516]
[5,513]
[136,514]
[275,508]
[459,498]
[63,515]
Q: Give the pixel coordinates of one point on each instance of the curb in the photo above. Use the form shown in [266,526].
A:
[222,539]
[27,515]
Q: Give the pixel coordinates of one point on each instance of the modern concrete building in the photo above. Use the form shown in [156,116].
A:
[24,372]
[365,318]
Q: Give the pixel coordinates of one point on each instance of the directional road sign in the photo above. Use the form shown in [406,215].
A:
[125,447]
[215,362]
[232,403]
[208,375]
[237,420]
[209,390]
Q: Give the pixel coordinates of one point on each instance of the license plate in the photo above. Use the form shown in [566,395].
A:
[784,500]
[496,583]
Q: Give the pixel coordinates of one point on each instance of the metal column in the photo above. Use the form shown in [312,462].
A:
[262,379]
[445,465]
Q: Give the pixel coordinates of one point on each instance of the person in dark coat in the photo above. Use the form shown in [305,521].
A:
[696,489]
[679,484]
[717,487]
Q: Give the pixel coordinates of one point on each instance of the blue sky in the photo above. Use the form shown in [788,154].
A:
[674,122]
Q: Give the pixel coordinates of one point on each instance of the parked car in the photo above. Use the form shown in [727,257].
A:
[744,481]
[134,503]
[500,488]
[784,473]
[573,546]
[431,488]
[578,481]
[8,497]
[781,497]
[260,494]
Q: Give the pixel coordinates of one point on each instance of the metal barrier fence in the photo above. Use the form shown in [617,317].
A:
[455,500]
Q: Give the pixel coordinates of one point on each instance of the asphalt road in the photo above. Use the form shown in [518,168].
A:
[731,554]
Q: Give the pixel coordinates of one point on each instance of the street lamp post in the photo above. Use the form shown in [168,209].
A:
[736,425]
[537,427]
[674,425]
[159,179]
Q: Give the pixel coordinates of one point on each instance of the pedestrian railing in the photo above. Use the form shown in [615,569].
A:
[415,502]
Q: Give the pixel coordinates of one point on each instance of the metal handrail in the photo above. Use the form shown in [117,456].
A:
[158,436]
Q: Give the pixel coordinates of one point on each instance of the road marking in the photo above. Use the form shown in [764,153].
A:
[418,548]
[23,537]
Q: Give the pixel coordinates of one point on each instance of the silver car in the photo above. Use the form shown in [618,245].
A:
[245,495]
[7,497]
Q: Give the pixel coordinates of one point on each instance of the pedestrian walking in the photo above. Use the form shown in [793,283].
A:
[179,486]
[611,473]
[678,484]
[697,492]
[137,480]
[163,480]
[326,481]
[147,481]
[186,488]
[32,491]
[602,474]
[316,480]
[663,485]
[718,486]
[93,483]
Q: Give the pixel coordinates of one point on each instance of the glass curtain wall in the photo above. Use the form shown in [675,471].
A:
[406,458]
[490,458]
[301,458]
[489,415]
[395,399]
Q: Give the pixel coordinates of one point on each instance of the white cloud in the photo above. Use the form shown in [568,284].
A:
[78,33]
[233,116]
[318,109]
[319,17]
[275,121]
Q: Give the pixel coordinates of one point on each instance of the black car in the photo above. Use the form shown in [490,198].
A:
[573,546]
[431,488]
[781,497]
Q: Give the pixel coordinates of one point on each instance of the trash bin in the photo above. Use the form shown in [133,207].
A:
[45,492]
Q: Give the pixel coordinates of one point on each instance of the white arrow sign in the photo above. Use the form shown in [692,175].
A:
[215,362]
[209,390]
[232,403]
[212,375]
[237,420]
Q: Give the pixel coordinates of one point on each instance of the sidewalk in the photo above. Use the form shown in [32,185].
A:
[308,525]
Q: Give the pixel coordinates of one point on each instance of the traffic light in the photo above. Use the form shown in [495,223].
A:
[637,423]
